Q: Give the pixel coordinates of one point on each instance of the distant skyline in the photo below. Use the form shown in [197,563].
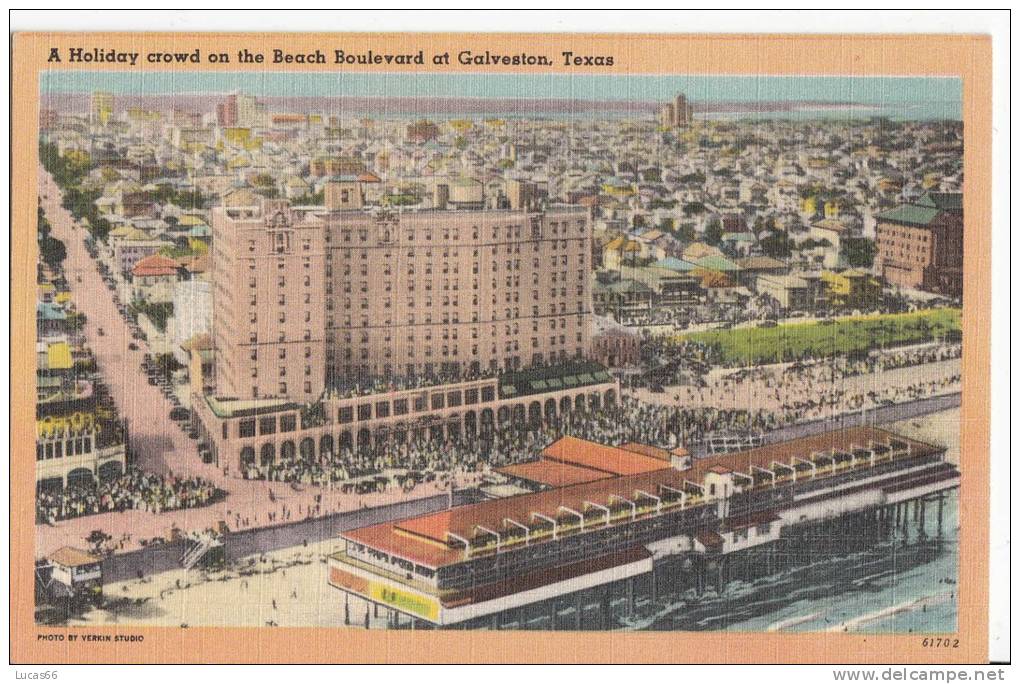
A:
[908,97]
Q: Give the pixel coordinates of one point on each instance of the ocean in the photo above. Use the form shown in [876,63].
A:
[905,585]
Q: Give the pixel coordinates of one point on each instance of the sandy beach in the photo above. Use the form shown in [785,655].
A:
[283,588]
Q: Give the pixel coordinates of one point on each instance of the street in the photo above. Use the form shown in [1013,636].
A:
[158,443]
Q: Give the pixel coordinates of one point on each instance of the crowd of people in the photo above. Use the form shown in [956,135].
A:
[807,391]
[749,401]
[420,460]
[134,490]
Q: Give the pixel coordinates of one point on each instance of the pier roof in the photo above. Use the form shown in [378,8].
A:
[427,539]
[552,473]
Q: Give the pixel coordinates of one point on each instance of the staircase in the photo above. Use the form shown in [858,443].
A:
[197,549]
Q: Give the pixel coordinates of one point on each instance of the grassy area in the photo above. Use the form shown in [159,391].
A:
[745,346]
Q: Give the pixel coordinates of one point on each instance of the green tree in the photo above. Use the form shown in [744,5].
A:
[776,245]
[858,252]
[713,231]
[51,250]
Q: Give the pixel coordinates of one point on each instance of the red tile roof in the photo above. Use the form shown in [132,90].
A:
[154,265]
[552,473]
[612,460]
[647,450]
[424,539]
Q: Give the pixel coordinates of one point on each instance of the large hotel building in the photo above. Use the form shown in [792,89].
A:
[305,297]
[467,319]
[919,245]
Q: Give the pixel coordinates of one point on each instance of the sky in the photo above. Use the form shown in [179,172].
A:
[860,90]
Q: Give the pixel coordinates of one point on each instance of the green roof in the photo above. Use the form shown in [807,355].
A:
[717,263]
[949,201]
[544,378]
[234,408]
[911,214]
[50,312]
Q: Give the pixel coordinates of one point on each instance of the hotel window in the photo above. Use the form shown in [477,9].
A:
[283,389]
[345,415]
[288,423]
[267,425]
[246,428]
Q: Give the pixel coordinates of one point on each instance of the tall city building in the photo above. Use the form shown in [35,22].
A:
[250,113]
[305,298]
[102,107]
[683,111]
[676,114]
[919,245]
[226,111]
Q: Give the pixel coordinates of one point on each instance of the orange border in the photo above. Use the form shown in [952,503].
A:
[964,56]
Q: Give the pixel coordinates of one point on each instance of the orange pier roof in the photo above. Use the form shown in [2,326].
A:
[612,460]
[553,473]
[424,539]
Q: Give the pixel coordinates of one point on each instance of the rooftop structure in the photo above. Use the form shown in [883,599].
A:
[919,245]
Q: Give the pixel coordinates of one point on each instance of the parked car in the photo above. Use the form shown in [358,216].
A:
[179,413]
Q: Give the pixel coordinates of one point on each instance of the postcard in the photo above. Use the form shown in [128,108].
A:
[500,348]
